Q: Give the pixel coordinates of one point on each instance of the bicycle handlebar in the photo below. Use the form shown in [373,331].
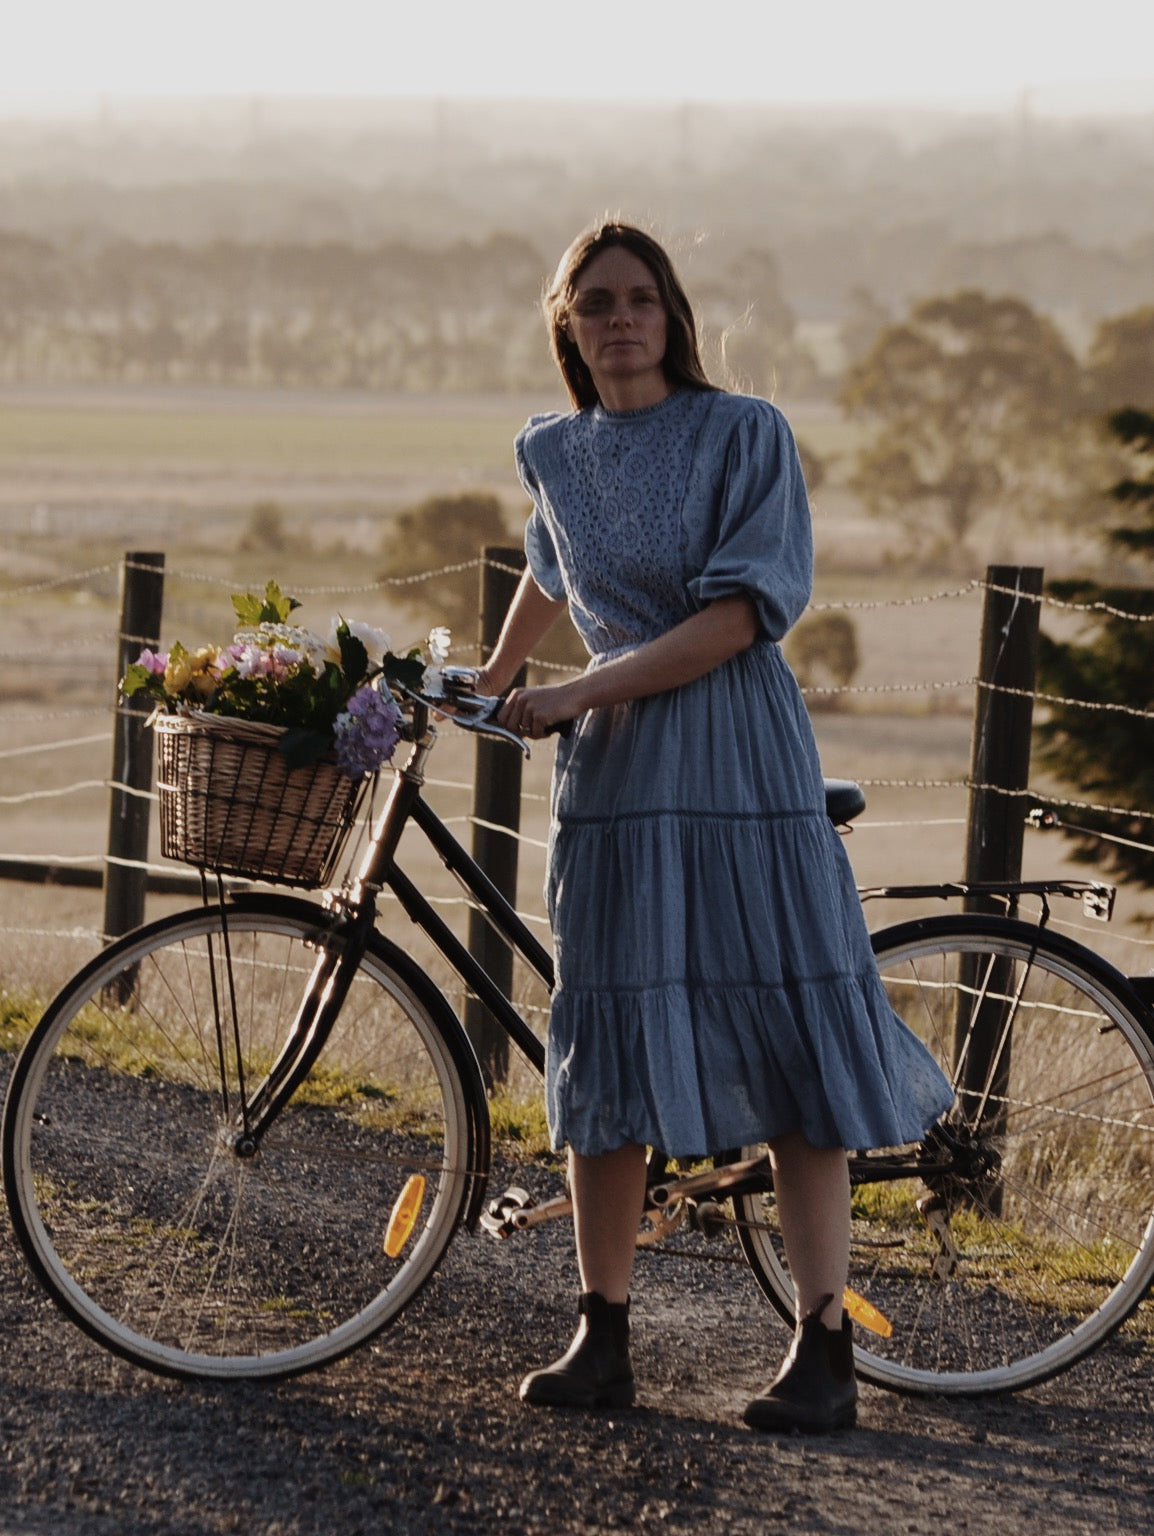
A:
[469,710]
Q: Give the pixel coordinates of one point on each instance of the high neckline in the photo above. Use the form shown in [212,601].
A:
[602,413]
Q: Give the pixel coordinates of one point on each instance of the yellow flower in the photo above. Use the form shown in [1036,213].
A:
[203,678]
[178,673]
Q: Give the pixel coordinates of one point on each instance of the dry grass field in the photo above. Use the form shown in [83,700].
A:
[87,474]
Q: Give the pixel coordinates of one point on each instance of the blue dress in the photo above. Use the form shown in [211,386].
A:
[715,983]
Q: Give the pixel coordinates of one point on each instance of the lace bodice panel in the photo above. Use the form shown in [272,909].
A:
[641,517]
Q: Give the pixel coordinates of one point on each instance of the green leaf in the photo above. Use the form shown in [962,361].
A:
[278,605]
[354,656]
[406,670]
[135,679]
[273,608]
[248,607]
[299,747]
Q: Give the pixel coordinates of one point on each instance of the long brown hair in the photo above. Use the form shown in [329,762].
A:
[682,362]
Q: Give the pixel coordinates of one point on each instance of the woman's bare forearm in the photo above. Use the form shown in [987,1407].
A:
[683,654]
[690,650]
[531,615]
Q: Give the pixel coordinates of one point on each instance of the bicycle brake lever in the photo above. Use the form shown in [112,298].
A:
[483,725]
[470,712]
[474,711]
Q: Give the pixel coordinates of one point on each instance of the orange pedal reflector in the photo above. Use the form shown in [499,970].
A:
[865,1313]
[404,1216]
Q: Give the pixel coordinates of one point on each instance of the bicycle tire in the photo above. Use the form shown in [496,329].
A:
[1048,1251]
[127,1191]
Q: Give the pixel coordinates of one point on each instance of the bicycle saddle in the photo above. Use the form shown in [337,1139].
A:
[843,800]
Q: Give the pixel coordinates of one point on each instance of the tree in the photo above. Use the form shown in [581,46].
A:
[758,347]
[438,532]
[265,531]
[973,399]
[866,317]
[453,530]
[1120,365]
[1109,755]
[823,651]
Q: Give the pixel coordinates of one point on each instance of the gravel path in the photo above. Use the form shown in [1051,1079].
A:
[422,1433]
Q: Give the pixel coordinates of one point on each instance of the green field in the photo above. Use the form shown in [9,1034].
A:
[87,474]
[72,437]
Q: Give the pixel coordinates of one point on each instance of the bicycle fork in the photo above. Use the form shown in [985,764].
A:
[320,1004]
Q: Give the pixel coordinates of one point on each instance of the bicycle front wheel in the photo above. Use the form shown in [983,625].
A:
[1009,1246]
[140,1205]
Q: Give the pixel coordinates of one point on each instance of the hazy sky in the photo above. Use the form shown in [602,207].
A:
[964,51]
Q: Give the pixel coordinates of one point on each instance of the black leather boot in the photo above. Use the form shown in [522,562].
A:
[815,1390]
[595,1371]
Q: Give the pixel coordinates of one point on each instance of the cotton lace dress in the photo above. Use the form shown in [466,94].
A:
[715,983]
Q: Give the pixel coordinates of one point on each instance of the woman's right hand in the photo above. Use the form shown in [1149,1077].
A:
[534,712]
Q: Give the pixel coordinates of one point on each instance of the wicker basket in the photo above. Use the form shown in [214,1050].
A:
[229,803]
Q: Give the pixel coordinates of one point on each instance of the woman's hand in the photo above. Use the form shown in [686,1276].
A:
[485,685]
[532,712]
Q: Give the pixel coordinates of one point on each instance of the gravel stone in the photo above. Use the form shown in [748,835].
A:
[422,1434]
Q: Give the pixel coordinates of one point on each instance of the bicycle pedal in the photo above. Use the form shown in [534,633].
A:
[497,1217]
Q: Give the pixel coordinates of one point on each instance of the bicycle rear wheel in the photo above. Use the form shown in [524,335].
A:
[1038,1242]
[131,1191]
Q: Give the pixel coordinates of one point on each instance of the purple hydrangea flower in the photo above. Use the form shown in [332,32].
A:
[366,732]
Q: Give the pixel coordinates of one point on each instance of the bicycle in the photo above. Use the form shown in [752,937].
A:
[240,1140]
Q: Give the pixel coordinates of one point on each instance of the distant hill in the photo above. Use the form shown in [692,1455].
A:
[192,227]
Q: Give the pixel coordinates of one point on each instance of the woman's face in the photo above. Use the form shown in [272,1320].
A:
[618,324]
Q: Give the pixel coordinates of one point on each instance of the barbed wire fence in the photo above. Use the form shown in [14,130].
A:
[55,778]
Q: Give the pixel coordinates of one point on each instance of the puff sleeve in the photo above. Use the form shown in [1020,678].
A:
[540,548]
[763,540]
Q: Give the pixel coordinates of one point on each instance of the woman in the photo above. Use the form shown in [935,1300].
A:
[715,981]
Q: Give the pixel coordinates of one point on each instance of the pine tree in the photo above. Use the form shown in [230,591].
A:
[1107,755]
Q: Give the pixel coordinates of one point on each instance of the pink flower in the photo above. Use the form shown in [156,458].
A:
[154,661]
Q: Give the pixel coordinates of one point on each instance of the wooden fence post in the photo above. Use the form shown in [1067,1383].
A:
[1003,718]
[141,605]
[1000,770]
[496,805]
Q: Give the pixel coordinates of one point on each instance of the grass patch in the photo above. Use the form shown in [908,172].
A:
[1060,1270]
[19,1014]
[519,1119]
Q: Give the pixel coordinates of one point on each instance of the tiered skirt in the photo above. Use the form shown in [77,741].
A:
[716,985]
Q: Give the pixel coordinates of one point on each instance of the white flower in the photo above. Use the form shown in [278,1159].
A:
[375,641]
[440,643]
[279,639]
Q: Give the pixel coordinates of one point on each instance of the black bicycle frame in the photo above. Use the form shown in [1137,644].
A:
[496,909]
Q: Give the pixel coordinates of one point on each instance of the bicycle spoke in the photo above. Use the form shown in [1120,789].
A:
[1047,1166]
[158,1226]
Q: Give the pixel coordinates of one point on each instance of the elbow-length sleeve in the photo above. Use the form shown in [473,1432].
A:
[763,542]
[540,547]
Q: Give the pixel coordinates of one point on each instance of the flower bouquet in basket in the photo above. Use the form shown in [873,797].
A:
[265,742]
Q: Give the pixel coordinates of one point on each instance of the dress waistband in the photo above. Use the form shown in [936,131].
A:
[762,642]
